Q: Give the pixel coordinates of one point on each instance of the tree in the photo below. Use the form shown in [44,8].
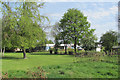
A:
[1,35]
[88,42]
[28,29]
[62,36]
[75,26]
[25,27]
[55,33]
[108,40]
[8,23]
[50,42]
[55,30]
[57,43]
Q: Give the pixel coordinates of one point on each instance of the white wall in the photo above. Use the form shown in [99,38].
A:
[98,49]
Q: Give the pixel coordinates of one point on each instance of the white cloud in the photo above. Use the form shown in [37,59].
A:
[101,12]
[102,28]
[102,16]
[114,9]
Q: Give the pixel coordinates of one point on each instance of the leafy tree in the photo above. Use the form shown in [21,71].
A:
[1,35]
[8,23]
[108,40]
[75,26]
[28,29]
[24,27]
[50,42]
[64,39]
[56,44]
[60,36]
[88,42]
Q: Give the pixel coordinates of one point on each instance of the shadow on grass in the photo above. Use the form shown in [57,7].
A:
[9,57]
[46,54]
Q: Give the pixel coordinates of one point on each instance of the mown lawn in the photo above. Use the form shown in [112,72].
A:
[15,61]
[59,66]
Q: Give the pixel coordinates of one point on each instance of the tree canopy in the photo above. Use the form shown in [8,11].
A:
[108,40]
[75,26]
[22,25]
[88,42]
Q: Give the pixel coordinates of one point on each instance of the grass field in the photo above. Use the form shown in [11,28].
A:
[59,66]
[15,61]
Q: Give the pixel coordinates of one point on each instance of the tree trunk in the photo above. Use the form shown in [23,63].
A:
[75,45]
[65,49]
[75,40]
[3,51]
[24,53]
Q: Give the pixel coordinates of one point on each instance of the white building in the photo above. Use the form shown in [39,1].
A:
[98,48]
[48,46]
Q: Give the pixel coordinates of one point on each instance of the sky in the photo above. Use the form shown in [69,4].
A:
[101,15]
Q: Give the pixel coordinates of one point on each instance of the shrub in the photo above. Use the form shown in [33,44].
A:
[55,50]
[70,51]
[51,50]
[61,51]
[102,49]
[81,51]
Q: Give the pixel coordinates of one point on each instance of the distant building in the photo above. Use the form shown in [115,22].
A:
[48,46]
[17,49]
[98,46]
[116,48]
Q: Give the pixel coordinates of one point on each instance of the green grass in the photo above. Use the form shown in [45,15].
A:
[15,61]
[59,66]
[83,69]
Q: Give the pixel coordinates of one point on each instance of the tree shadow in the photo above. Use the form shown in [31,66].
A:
[45,54]
[10,57]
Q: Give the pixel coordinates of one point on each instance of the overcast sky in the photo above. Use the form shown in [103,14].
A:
[101,15]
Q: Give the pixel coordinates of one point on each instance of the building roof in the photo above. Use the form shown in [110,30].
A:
[61,45]
[50,44]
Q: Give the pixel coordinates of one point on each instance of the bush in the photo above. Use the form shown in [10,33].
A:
[81,51]
[70,51]
[55,50]
[61,51]
[51,50]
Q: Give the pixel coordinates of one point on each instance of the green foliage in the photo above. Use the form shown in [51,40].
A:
[74,26]
[0,37]
[88,42]
[108,40]
[8,23]
[70,50]
[49,42]
[57,43]
[51,49]
[29,32]
[22,25]
[82,51]
[103,49]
